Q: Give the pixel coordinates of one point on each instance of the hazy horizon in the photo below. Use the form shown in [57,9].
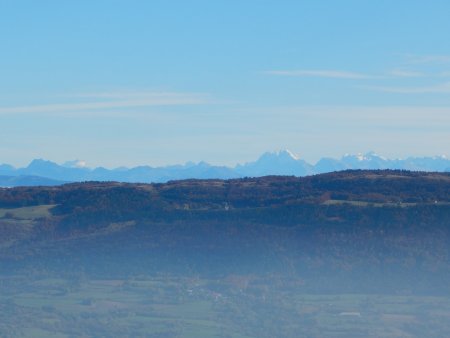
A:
[119,83]
[81,163]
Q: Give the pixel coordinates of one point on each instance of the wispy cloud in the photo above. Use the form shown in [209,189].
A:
[112,100]
[333,74]
[436,89]
[428,59]
[350,117]
[336,74]
[406,73]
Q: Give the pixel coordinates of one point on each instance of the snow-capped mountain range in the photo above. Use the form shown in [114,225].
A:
[42,172]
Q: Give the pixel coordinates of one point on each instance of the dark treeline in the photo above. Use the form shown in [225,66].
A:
[371,186]
[354,231]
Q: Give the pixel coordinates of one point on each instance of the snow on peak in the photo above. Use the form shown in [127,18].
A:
[291,154]
[280,155]
[372,155]
[360,157]
[75,164]
[286,153]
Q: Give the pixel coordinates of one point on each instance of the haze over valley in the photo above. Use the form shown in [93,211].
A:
[359,253]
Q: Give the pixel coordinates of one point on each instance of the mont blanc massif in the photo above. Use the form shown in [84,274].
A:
[44,172]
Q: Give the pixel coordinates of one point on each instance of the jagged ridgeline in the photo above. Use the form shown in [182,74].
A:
[358,231]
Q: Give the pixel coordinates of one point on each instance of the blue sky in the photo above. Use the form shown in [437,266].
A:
[162,82]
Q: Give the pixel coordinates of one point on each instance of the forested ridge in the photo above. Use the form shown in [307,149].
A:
[356,230]
[384,186]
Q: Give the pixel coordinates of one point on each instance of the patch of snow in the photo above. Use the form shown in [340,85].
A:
[75,164]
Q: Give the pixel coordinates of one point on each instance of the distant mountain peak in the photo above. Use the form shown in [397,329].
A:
[75,164]
[41,163]
[358,157]
[371,155]
[281,162]
[289,153]
[6,167]
[281,154]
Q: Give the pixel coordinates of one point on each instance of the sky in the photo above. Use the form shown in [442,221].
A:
[126,83]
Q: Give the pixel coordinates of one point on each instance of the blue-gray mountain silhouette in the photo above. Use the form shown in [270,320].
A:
[270,163]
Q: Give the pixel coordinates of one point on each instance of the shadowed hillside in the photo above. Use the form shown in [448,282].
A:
[354,230]
[348,254]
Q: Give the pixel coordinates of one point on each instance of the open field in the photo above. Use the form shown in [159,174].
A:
[33,212]
[183,307]
[379,205]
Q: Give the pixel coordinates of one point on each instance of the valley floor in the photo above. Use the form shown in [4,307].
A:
[238,306]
